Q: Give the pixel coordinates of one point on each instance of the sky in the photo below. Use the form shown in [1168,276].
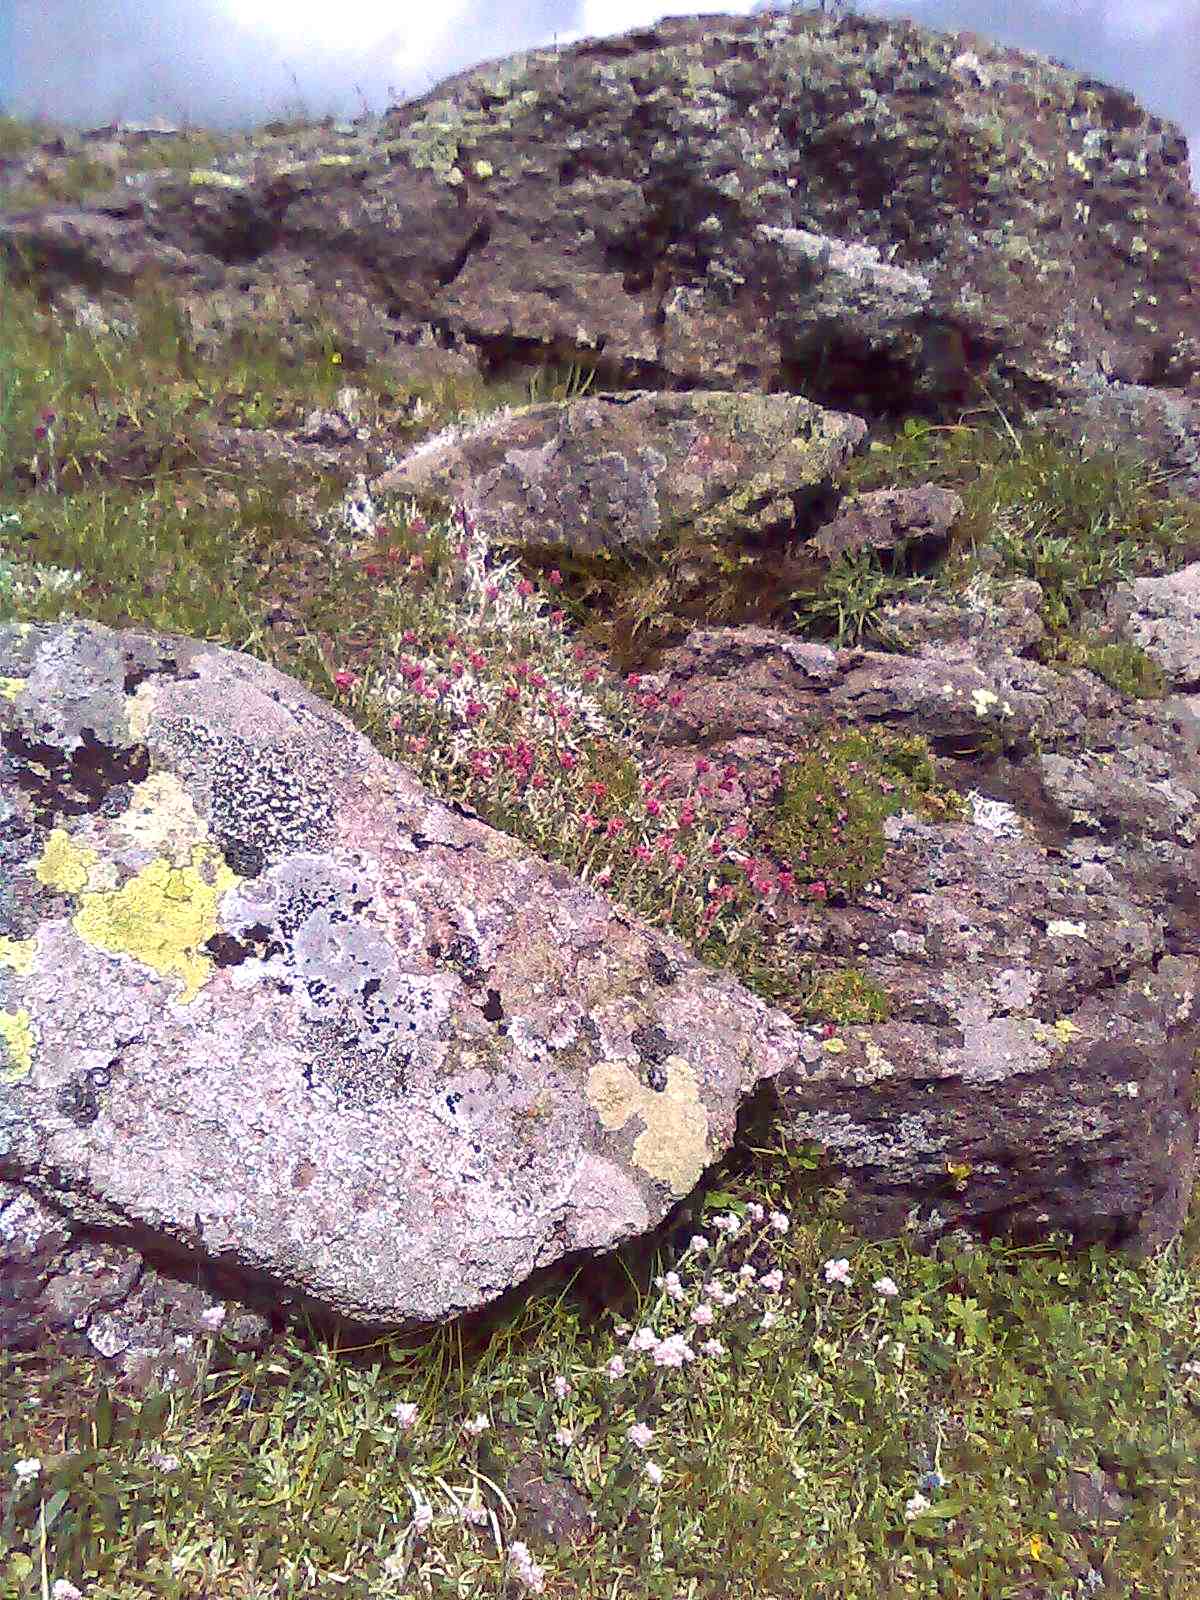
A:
[237,62]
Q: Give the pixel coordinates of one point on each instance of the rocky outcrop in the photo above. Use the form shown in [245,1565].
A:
[868,213]
[628,473]
[267,1005]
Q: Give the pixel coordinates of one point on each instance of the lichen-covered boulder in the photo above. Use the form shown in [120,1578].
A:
[266,1005]
[916,522]
[870,213]
[1028,1056]
[1162,617]
[628,472]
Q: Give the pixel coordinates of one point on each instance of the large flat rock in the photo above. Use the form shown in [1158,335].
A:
[267,1004]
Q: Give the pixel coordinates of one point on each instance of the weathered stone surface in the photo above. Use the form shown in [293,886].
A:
[915,520]
[1162,617]
[866,212]
[1158,427]
[628,471]
[1040,956]
[266,1004]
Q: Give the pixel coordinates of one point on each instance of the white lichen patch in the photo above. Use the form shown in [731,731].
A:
[993,816]
[673,1146]
[1062,929]
[987,703]
[139,707]
[162,818]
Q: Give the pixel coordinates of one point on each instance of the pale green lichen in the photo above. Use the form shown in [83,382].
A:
[207,178]
[65,864]
[18,955]
[162,916]
[162,818]
[673,1146]
[16,1036]
[10,688]
[139,707]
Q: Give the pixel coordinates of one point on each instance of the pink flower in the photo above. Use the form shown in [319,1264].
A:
[643,1339]
[476,1425]
[702,1316]
[561,1388]
[675,699]
[779,1221]
[615,826]
[405,1413]
[615,1368]
[654,1473]
[818,891]
[838,1272]
[772,1282]
[886,1287]
[554,578]
[524,588]
[673,1351]
[345,680]
[640,1435]
[712,1348]
[567,761]
[473,710]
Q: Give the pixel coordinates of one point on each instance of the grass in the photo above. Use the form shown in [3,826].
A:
[792,1456]
[838,1439]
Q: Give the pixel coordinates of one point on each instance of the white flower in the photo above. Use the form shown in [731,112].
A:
[697,1244]
[772,1282]
[616,1367]
[644,1339]
[561,1388]
[899,1349]
[525,1569]
[769,1319]
[476,1425]
[654,1472]
[779,1221]
[164,1463]
[915,1506]
[673,1351]
[565,1436]
[717,1292]
[213,1317]
[755,1212]
[405,1413]
[702,1316]
[713,1348]
[746,1272]
[422,1518]
[886,1287]
[61,1589]
[474,1516]
[1192,1368]
[27,1470]
[838,1272]
[729,1225]
[640,1435]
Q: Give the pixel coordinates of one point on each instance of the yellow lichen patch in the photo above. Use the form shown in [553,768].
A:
[139,707]
[16,1035]
[162,818]
[10,688]
[64,864]
[673,1147]
[162,916]
[18,954]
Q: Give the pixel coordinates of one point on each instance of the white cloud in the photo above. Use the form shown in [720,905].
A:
[600,17]
[420,33]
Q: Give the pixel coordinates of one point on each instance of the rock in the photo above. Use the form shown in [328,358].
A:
[1162,617]
[866,212]
[625,472]
[987,619]
[1160,428]
[267,1006]
[1039,955]
[915,522]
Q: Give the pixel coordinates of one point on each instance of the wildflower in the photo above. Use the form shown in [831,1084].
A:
[164,1462]
[615,1367]
[26,1471]
[640,1435]
[561,1388]
[672,1285]
[728,1224]
[713,1348]
[476,1425]
[524,588]
[772,1282]
[474,1516]
[525,1569]
[345,680]
[933,1481]
[915,1506]
[755,1212]
[697,1244]
[653,1472]
[554,578]
[746,1272]
[567,761]
[644,1339]
[769,1319]
[886,1287]
[61,1589]
[838,1272]
[673,1351]
[702,1316]
[675,699]
[422,1518]
[212,1317]
[719,1294]
[1192,1368]
[405,1413]
[615,826]
[565,1437]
